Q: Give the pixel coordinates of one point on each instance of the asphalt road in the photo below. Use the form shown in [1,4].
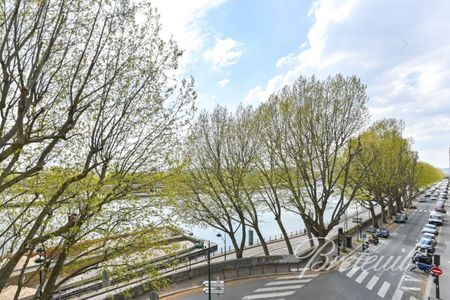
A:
[383,271]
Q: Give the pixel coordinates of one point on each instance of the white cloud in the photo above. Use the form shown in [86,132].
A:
[260,94]
[224,82]
[183,20]
[226,52]
[399,49]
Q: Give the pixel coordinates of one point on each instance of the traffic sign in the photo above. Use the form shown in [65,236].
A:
[436,271]
[218,283]
[214,290]
[217,287]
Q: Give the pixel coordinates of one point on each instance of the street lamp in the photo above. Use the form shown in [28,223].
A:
[357,219]
[44,264]
[209,270]
[224,238]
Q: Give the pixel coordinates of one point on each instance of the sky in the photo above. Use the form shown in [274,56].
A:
[241,51]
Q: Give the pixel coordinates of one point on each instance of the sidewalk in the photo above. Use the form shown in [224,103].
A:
[443,242]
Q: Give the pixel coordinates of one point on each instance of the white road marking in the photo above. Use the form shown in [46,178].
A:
[362,276]
[299,269]
[383,289]
[270,295]
[352,272]
[409,278]
[397,295]
[288,282]
[298,276]
[372,282]
[278,288]
[405,288]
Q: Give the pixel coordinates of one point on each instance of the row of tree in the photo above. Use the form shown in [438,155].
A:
[91,107]
[306,149]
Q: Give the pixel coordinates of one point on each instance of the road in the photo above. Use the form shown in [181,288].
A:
[383,271]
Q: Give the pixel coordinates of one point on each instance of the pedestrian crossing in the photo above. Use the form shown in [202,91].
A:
[407,289]
[425,210]
[282,286]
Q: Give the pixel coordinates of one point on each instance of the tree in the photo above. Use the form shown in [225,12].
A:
[391,166]
[91,89]
[427,174]
[221,152]
[321,118]
[271,136]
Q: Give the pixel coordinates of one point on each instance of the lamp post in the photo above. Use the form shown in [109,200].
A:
[224,237]
[209,270]
[357,219]
[41,260]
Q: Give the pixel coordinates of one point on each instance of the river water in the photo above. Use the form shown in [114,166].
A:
[291,221]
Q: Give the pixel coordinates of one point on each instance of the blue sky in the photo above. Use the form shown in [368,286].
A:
[242,51]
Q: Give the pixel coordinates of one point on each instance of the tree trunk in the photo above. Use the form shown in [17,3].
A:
[237,249]
[399,203]
[285,235]
[244,235]
[310,237]
[263,242]
[390,209]
[383,214]
[47,294]
[373,216]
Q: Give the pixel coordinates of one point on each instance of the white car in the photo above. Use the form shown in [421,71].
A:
[430,236]
[435,219]
[429,228]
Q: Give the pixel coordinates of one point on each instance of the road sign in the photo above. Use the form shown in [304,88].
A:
[219,283]
[214,290]
[436,271]
[217,287]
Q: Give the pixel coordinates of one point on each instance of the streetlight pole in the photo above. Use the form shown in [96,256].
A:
[224,237]
[209,270]
[41,260]
[357,220]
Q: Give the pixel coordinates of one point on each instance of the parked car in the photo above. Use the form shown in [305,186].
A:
[425,244]
[430,228]
[421,257]
[435,219]
[440,208]
[382,232]
[400,218]
[371,229]
[423,199]
[404,213]
[430,236]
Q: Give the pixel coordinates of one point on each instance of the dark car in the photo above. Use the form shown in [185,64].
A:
[404,214]
[423,199]
[382,232]
[400,218]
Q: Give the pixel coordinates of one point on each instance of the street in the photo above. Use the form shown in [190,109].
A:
[383,271]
